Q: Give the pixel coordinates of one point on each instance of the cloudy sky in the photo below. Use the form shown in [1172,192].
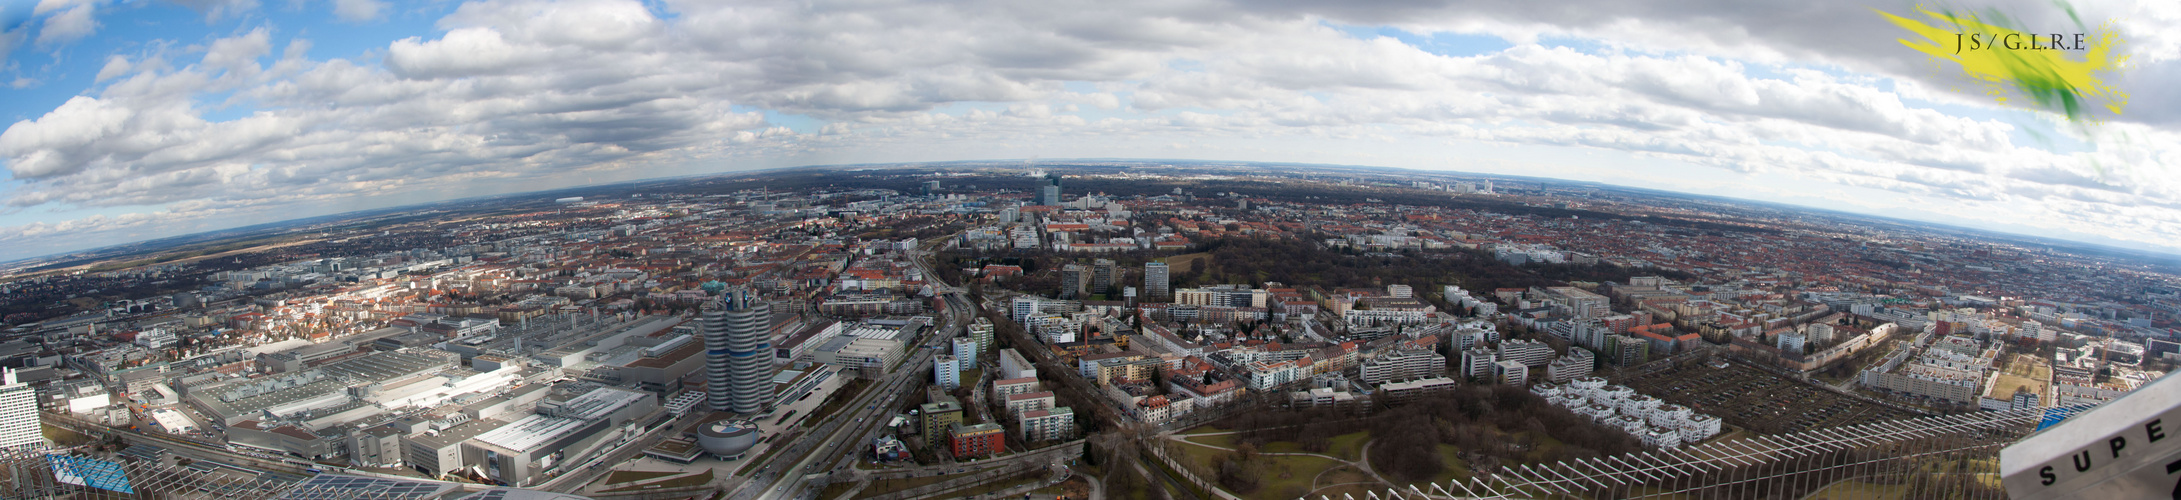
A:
[133,119]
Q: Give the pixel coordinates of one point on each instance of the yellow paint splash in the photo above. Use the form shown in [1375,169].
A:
[2050,80]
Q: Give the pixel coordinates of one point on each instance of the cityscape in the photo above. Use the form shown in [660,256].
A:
[1079,329]
[1104,250]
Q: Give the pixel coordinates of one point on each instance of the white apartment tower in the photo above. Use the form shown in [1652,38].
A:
[18,413]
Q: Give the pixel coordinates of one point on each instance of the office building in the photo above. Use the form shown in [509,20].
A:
[18,413]
[1049,192]
[738,353]
[1155,281]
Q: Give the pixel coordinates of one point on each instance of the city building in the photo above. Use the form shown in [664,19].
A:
[1156,284]
[1577,364]
[981,440]
[1014,366]
[1017,404]
[1052,424]
[1074,281]
[19,425]
[1048,193]
[1527,352]
[965,348]
[1511,372]
[938,417]
[1403,365]
[980,331]
[738,353]
[1102,277]
[946,371]
[1477,362]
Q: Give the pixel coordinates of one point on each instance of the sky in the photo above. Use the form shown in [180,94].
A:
[133,119]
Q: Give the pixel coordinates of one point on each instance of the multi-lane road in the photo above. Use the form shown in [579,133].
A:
[833,446]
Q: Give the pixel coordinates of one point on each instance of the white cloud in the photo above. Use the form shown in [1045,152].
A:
[519,93]
[116,65]
[359,10]
[68,26]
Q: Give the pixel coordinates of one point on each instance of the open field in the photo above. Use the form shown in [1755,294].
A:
[1281,477]
[1758,400]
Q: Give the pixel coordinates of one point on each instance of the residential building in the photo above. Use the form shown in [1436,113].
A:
[1052,424]
[981,440]
[1511,372]
[938,417]
[946,371]
[1019,403]
[1477,362]
[1403,365]
[1156,284]
[1014,366]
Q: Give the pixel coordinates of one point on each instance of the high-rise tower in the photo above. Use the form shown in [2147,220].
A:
[1155,284]
[737,352]
[18,413]
[1102,276]
[1049,192]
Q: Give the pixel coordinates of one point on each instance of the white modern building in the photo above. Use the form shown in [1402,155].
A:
[18,413]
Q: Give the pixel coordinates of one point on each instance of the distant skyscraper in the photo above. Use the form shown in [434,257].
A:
[1073,280]
[1007,215]
[1049,193]
[737,352]
[1155,285]
[931,187]
[18,413]
[1102,275]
